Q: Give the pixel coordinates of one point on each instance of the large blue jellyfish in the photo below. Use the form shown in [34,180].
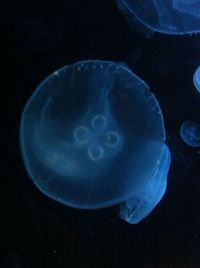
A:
[165,16]
[92,136]
[190,133]
[196,78]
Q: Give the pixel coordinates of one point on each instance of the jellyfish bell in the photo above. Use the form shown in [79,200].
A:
[164,16]
[196,79]
[92,136]
[190,133]
[189,7]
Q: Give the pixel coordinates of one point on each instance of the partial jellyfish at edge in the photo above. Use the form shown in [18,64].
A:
[164,16]
[196,79]
[190,133]
[92,136]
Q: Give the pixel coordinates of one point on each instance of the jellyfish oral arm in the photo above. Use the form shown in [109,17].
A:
[143,202]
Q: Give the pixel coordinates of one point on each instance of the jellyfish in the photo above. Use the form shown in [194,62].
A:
[164,16]
[92,136]
[196,79]
[190,133]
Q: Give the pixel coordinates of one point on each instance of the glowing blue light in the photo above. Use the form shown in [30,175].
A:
[92,136]
[165,16]
[190,133]
[143,201]
[196,79]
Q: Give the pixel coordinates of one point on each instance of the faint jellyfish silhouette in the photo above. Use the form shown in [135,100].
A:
[196,79]
[92,136]
[190,133]
[182,162]
[164,16]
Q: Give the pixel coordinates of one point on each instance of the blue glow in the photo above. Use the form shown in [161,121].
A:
[143,201]
[165,16]
[92,136]
[190,133]
[196,79]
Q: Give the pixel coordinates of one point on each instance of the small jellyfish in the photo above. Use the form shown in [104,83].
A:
[196,79]
[190,133]
[164,16]
[92,136]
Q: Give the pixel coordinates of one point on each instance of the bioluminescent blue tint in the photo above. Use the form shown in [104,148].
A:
[190,133]
[165,16]
[196,79]
[92,135]
[143,201]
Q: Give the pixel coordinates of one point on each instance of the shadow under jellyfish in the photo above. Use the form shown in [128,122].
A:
[92,136]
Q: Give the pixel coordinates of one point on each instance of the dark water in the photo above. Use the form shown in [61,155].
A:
[39,37]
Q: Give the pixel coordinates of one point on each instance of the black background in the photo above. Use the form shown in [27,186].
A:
[39,37]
